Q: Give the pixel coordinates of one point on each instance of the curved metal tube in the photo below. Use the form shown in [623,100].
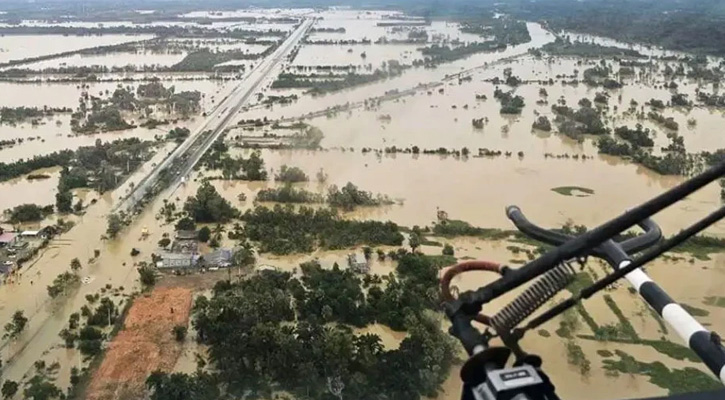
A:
[541,234]
[465,266]
[652,234]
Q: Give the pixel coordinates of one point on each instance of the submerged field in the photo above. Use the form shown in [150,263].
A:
[368,98]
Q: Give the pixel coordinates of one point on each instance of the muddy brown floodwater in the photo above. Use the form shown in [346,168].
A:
[473,189]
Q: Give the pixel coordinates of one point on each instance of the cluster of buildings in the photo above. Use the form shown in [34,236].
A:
[185,256]
[18,246]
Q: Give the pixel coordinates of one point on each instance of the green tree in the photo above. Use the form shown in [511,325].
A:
[185,224]
[253,167]
[414,241]
[75,377]
[368,252]
[75,264]
[291,175]
[448,250]
[115,224]
[244,256]
[9,389]
[204,234]
[179,386]
[64,201]
[209,206]
[27,213]
[147,276]
[16,325]
[39,387]
[165,242]
[179,332]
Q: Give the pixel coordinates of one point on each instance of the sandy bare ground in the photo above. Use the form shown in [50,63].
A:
[145,344]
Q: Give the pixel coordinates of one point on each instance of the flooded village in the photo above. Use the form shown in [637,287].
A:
[260,202]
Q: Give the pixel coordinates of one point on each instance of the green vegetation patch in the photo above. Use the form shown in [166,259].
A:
[284,230]
[694,311]
[605,353]
[701,246]
[675,381]
[575,355]
[624,325]
[576,191]
[715,301]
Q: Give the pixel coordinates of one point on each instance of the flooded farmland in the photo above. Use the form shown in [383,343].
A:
[427,137]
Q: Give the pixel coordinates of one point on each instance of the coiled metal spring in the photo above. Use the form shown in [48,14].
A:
[533,297]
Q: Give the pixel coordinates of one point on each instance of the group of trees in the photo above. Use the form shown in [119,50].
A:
[638,136]
[676,161]
[325,83]
[100,167]
[284,230]
[288,194]
[350,197]
[261,342]
[29,212]
[249,169]
[105,114]
[291,175]
[504,31]
[209,206]
[510,103]
[693,27]
[62,283]
[565,47]
[15,115]
[21,167]
[585,120]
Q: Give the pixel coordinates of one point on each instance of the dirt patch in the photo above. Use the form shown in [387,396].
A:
[145,344]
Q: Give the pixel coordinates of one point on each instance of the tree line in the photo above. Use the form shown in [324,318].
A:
[264,341]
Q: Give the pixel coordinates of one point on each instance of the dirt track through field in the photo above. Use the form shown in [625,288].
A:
[145,344]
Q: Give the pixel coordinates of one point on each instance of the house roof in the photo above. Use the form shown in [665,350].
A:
[186,235]
[7,237]
[29,233]
[219,256]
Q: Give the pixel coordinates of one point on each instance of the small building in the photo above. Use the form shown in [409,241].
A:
[185,242]
[7,239]
[220,258]
[358,263]
[185,235]
[30,234]
[178,261]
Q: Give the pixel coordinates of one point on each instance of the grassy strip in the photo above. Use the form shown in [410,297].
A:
[670,349]
[694,311]
[605,353]
[701,247]
[427,242]
[715,301]
[623,321]
[674,381]
[587,318]
[568,325]
[575,356]
[569,191]
[660,321]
